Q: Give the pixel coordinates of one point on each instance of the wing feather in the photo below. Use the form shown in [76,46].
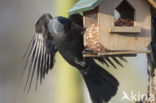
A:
[40,52]
[117,61]
[113,61]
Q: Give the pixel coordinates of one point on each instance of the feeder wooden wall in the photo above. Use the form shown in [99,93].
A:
[125,41]
[89,18]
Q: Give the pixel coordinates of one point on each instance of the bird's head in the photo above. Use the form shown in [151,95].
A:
[59,26]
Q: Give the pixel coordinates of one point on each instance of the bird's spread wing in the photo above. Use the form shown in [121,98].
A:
[41,51]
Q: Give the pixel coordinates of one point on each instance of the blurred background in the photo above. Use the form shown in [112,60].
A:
[63,84]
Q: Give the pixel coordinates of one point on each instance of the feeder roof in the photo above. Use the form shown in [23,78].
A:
[85,5]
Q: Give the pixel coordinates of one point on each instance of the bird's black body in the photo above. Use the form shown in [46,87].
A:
[69,43]
[66,36]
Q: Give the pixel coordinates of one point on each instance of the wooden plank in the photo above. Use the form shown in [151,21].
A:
[117,53]
[123,30]
[94,55]
[124,52]
[90,17]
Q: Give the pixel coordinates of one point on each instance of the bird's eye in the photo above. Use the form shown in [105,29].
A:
[50,36]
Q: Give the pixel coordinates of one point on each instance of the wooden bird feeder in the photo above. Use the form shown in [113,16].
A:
[115,27]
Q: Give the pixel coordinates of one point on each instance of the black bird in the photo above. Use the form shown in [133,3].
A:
[65,35]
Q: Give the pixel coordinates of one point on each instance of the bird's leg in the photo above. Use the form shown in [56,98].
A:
[81,63]
[82,66]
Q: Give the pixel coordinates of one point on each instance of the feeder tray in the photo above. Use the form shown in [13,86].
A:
[114,53]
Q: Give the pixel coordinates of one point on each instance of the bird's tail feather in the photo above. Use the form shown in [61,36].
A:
[101,84]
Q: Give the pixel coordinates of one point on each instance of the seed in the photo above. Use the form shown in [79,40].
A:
[92,39]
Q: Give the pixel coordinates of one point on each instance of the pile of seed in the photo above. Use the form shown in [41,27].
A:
[92,39]
[124,22]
